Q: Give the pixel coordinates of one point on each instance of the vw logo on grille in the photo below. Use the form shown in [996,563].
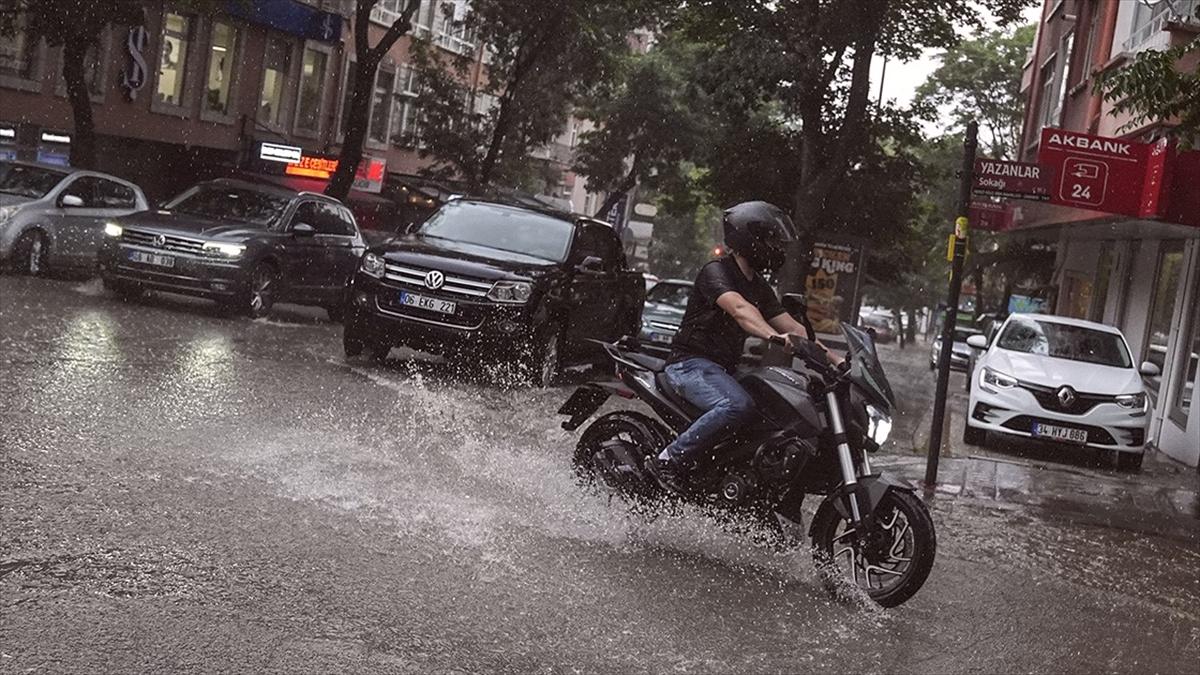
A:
[160,240]
[1066,396]
[434,280]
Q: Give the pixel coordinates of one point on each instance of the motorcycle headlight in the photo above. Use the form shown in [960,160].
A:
[879,425]
[1135,401]
[220,249]
[372,265]
[510,291]
[997,379]
[110,229]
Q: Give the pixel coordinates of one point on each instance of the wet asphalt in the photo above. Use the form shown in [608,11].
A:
[181,491]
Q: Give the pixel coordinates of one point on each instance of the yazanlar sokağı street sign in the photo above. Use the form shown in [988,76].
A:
[1113,175]
[1017,180]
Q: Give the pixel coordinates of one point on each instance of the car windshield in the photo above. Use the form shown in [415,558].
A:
[28,181]
[501,227]
[220,202]
[1062,341]
[674,295]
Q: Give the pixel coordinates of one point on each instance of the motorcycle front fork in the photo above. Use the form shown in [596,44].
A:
[845,459]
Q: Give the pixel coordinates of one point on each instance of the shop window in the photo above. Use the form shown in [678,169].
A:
[312,75]
[19,54]
[1077,296]
[222,50]
[1186,391]
[1166,292]
[276,66]
[1105,263]
[381,106]
[347,94]
[172,60]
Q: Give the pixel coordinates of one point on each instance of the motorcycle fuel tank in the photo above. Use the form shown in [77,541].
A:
[782,397]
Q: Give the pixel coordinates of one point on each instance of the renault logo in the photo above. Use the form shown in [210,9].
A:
[1066,396]
[434,280]
[160,240]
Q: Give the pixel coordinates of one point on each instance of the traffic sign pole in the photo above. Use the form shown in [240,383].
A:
[958,253]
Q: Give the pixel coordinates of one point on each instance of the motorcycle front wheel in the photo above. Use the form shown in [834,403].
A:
[890,563]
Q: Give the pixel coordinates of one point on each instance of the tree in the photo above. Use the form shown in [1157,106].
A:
[76,25]
[1157,87]
[362,88]
[980,79]
[649,119]
[811,60]
[544,56]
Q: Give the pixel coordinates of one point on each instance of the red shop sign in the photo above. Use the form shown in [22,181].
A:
[1105,174]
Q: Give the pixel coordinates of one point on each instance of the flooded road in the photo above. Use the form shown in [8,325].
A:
[188,492]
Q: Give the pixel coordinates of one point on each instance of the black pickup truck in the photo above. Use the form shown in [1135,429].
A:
[482,278]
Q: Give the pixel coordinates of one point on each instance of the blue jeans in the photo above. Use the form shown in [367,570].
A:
[707,386]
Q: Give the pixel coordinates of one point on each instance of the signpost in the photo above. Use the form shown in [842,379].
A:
[1018,180]
[1105,174]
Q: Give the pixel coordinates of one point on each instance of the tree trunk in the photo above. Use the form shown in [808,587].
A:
[356,122]
[911,332]
[83,141]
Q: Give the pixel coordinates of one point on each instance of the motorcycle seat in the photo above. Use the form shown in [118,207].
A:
[691,411]
[646,361]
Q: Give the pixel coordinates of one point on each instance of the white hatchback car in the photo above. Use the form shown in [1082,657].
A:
[1063,380]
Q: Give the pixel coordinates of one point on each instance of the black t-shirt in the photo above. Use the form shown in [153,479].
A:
[709,331]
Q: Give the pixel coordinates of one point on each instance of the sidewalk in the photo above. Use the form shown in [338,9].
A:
[1163,498]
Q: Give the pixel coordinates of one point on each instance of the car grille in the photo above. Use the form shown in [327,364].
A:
[1047,397]
[165,242]
[455,285]
[1024,423]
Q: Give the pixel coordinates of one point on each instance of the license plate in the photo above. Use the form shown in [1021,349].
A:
[1057,433]
[426,302]
[661,338]
[152,259]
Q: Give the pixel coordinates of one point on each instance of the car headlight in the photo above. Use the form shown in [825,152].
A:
[224,250]
[879,425]
[7,212]
[1135,401]
[997,379]
[510,291]
[110,229]
[373,265]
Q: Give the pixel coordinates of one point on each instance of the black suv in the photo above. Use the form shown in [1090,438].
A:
[482,277]
[246,245]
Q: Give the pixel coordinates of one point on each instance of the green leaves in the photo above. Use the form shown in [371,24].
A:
[1158,85]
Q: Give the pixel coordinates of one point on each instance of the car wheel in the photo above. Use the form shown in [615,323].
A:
[973,436]
[545,359]
[258,299]
[1130,461]
[124,290]
[29,253]
[352,342]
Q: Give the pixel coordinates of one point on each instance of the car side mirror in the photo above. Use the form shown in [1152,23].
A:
[977,342]
[591,265]
[71,202]
[1149,369]
[303,230]
[795,304]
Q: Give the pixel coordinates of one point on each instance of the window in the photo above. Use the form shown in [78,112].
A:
[1085,67]
[112,195]
[1047,102]
[222,51]
[312,74]
[19,54]
[381,106]
[276,66]
[504,228]
[405,127]
[1066,49]
[1184,393]
[598,241]
[1147,22]
[219,202]
[1162,309]
[29,181]
[172,61]
[84,188]
[1063,341]
[347,95]
[324,217]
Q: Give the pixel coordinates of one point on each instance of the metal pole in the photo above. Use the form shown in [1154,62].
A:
[970,141]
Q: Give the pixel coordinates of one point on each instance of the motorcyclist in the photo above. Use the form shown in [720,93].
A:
[730,300]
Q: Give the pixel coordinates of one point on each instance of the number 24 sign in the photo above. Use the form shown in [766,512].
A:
[1113,175]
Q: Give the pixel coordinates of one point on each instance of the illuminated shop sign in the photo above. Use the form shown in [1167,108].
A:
[51,137]
[8,132]
[273,152]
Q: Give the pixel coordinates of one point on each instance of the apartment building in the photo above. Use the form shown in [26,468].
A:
[1141,274]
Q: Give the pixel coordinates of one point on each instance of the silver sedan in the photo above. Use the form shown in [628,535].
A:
[53,217]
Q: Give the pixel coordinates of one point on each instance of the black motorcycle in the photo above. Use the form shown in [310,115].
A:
[814,431]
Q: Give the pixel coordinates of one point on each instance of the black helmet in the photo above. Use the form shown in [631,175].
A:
[759,232]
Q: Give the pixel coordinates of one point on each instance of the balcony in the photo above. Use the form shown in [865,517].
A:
[1155,33]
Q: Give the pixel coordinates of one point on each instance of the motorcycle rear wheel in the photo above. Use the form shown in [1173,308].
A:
[643,435]
[894,561]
